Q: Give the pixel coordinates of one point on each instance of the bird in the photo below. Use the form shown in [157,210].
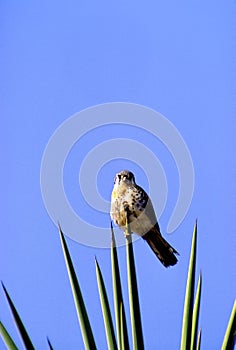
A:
[130,202]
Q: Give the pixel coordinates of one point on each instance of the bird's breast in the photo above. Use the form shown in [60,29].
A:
[133,202]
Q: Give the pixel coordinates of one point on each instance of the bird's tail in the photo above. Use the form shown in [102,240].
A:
[163,250]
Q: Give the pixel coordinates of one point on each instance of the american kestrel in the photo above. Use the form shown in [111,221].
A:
[130,200]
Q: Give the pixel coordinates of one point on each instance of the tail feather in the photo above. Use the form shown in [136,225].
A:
[163,250]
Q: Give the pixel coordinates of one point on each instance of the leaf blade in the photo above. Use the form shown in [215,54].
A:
[196,310]
[122,345]
[199,338]
[19,324]
[49,344]
[137,333]
[7,338]
[230,334]
[121,326]
[189,296]
[85,326]
[110,334]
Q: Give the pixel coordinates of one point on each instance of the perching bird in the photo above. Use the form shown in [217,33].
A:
[130,201]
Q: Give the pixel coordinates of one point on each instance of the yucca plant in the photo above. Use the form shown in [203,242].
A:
[117,335]
[191,313]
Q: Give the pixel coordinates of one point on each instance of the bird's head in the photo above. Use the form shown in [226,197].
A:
[124,177]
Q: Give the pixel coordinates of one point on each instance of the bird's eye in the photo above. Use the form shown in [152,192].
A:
[129,177]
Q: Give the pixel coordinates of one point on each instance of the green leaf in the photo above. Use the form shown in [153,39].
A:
[122,333]
[189,296]
[110,334]
[230,334]
[199,340]
[123,344]
[23,333]
[137,333]
[49,344]
[196,309]
[85,326]
[7,338]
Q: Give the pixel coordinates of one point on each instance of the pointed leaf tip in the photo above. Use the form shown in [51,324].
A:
[85,326]
[113,241]
[189,295]
[3,286]
[18,322]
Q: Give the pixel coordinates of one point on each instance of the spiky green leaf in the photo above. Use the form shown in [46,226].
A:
[230,334]
[85,326]
[198,346]
[189,296]
[137,333]
[49,344]
[21,328]
[122,333]
[196,310]
[123,344]
[7,338]
[110,334]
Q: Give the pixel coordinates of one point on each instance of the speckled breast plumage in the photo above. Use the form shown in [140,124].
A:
[134,201]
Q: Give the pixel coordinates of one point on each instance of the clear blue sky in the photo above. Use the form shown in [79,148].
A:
[58,58]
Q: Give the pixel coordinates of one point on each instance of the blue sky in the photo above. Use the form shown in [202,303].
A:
[59,58]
